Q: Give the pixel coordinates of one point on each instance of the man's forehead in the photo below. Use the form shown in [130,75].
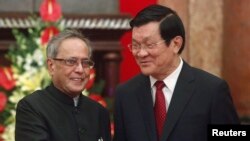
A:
[145,35]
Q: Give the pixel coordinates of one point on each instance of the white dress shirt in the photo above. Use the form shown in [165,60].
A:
[170,82]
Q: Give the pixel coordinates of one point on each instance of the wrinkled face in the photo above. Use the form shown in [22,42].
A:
[154,56]
[70,79]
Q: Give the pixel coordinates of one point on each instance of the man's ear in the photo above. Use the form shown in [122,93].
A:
[51,66]
[177,43]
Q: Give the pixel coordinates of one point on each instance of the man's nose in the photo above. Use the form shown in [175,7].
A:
[142,52]
[79,67]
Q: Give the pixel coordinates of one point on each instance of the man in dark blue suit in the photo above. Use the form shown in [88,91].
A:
[191,98]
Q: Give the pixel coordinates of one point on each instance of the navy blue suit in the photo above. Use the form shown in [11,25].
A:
[199,99]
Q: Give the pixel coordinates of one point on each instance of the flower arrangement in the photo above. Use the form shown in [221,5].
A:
[28,72]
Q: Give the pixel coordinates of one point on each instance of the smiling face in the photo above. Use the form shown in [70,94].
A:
[70,79]
[161,59]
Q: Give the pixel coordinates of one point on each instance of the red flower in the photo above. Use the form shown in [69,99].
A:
[7,81]
[1,128]
[3,101]
[98,98]
[50,11]
[48,33]
[91,79]
[112,128]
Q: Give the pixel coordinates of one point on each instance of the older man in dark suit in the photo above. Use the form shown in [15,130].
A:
[60,112]
[170,100]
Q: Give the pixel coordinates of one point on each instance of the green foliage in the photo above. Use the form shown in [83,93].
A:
[27,58]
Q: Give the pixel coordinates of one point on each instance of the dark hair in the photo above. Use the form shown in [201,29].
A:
[170,23]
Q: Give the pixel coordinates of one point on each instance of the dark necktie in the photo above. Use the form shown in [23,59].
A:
[159,108]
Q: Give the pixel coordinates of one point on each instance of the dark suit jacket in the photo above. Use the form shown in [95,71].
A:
[50,115]
[199,99]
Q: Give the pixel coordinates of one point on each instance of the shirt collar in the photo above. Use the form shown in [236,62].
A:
[76,100]
[59,95]
[170,81]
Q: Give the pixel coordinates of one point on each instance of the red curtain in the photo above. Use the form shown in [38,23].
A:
[128,67]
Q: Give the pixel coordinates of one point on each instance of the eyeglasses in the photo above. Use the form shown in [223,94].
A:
[134,47]
[75,61]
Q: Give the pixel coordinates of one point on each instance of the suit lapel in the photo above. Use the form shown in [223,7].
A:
[182,93]
[144,98]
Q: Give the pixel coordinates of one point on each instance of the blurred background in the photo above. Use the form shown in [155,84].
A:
[217,31]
